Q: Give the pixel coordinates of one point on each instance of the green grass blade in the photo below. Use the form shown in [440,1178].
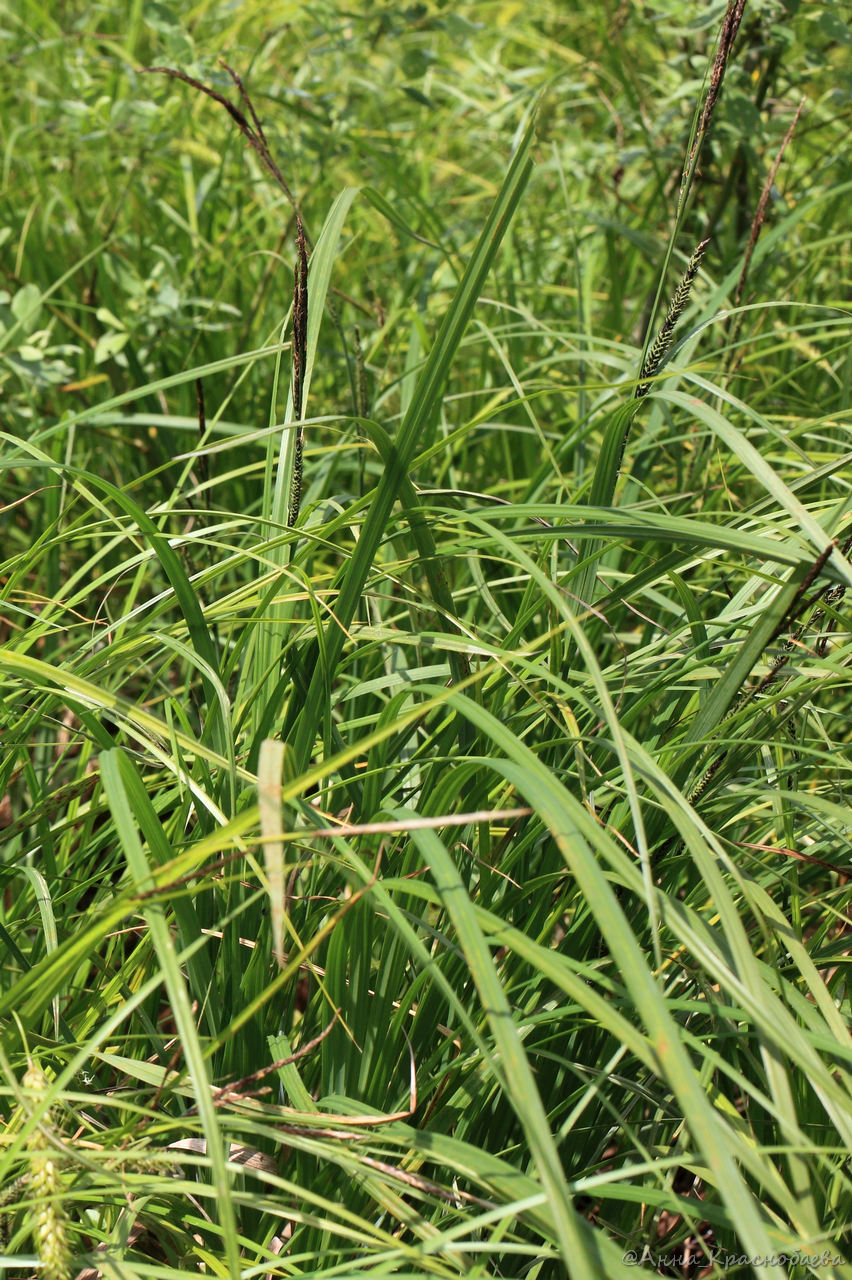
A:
[130,806]
[576,834]
[422,409]
[579,1250]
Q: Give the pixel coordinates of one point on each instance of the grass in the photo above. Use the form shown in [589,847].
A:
[435,863]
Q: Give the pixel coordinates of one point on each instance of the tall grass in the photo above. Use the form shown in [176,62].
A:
[425,693]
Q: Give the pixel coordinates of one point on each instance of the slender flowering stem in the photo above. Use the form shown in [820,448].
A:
[300,349]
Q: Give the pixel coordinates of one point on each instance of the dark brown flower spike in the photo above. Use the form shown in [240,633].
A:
[300,356]
[760,213]
[659,348]
[728,34]
[252,132]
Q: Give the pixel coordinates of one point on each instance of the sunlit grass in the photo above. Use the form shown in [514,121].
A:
[449,878]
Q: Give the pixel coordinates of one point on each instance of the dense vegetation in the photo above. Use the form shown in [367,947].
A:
[438,866]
